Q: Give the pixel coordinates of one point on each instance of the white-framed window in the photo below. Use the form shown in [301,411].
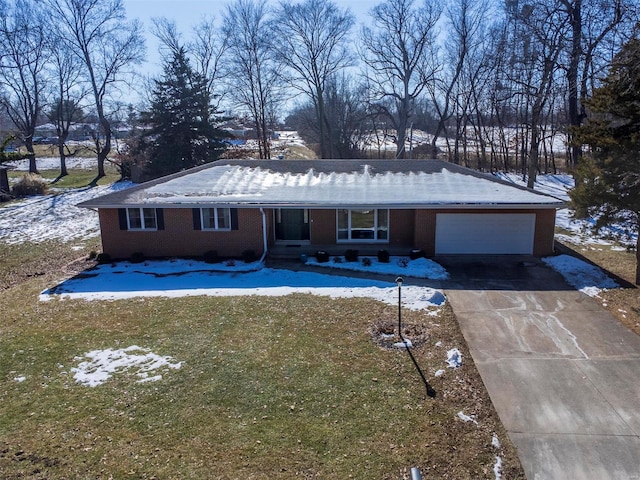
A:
[363,225]
[142,219]
[215,218]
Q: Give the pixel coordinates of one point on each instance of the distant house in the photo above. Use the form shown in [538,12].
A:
[300,206]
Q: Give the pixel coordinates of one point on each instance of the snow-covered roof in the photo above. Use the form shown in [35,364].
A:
[328,183]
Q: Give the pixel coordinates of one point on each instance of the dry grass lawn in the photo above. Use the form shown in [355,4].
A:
[624,302]
[289,387]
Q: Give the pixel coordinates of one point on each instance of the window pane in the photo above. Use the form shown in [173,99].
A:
[134,218]
[224,218]
[343,224]
[149,217]
[383,224]
[362,224]
[208,218]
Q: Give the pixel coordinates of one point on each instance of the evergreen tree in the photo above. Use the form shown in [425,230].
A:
[182,120]
[608,183]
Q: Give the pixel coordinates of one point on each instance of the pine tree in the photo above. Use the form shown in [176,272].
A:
[182,120]
[608,182]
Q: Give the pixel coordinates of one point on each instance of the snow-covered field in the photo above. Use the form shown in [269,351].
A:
[54,216]
[48,163]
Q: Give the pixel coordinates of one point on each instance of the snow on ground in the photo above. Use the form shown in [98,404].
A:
[454,358]
[418,268]
[53,217]
[102,364]
[467,418]
[52,163]
[581,230]
[497,468]
[287,138]
[583,276]
[180,278]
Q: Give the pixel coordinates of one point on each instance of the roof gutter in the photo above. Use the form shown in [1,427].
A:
[331,206]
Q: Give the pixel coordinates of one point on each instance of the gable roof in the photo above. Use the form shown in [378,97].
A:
[327,183]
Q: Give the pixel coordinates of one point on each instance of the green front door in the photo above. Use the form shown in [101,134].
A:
[292,225]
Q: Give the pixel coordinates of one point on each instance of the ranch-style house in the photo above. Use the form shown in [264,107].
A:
[294,207]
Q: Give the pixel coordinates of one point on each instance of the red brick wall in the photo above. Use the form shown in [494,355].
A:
[545,229]
[425,228]
[424,234]
[410,228]
[401,227]
[179,239]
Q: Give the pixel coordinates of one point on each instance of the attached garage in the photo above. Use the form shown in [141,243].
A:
[485,233]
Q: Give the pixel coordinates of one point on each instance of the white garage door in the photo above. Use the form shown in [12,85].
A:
[485,233]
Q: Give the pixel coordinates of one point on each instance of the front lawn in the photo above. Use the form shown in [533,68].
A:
[268,387]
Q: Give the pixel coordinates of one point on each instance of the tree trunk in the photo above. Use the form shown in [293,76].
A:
[532,160]
[575,17]
[638,258]
[104,151]
[33,168]
[63,157]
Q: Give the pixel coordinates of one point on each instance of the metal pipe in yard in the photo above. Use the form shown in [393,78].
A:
[430,391]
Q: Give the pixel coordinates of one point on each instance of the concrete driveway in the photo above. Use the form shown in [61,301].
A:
[563,374]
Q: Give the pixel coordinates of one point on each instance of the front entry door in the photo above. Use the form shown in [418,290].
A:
[292,225]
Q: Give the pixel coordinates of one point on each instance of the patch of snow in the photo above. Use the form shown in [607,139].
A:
[454,358]
[179,278]
[497,468]
[53,163]
[103,364]
[406,344]
[495,442]
[53,217]
[467,418]
[20,379]
[418,268]
[439,373]
[584,276]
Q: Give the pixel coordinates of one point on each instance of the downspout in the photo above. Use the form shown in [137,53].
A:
[264,235]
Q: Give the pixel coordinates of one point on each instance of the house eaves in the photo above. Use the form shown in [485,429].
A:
[427,184]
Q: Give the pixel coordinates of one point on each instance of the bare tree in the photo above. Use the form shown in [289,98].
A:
[313,46]
[22,69]
[345,104]
[593,24]
[251,65]
[465,64]
[68,91]
[535,69]
[399,51]
[96,31]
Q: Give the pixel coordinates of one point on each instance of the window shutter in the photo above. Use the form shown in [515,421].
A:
[197,223]
[122,219]
[234,218]
[160,218]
